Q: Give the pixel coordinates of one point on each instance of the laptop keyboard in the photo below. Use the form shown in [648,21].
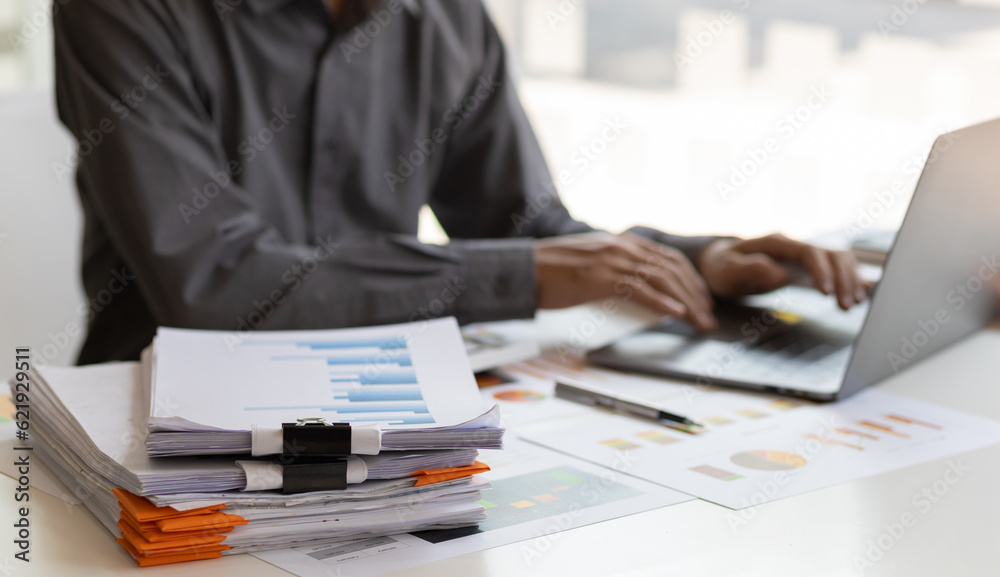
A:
[791,356]
[796,349]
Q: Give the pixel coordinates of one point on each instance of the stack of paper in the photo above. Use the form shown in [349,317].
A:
[407,387]
[89,426]
[85,429]
[89,418]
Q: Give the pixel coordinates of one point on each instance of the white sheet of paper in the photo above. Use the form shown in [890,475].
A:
[757,448]
[415,375]
[535,493]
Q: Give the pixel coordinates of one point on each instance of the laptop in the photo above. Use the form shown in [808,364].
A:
[939,284]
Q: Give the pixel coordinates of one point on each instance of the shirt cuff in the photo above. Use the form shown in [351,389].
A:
[501,280]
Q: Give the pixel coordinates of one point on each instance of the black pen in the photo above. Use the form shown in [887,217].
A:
[609,401]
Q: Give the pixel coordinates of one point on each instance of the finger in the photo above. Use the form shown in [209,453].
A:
[742,274]
[693,280]
[864,287]
[781,247]
[817,262]
[695,284]
[665,281]
[758,273]
[666,277]
[687,275]
[845,278]
[668,281]
[646,295]
[686,281]
[859,294]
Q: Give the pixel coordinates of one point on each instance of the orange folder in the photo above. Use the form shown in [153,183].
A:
[430,476]
[191,543]
[197,537]
[211,521]
[154,535]
[151,560]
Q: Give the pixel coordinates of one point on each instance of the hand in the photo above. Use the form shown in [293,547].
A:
[738,267]
[572,270]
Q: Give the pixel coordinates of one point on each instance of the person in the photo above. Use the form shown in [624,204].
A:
[260,164]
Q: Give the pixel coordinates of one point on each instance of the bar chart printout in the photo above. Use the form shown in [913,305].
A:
[371,380]
[401,376]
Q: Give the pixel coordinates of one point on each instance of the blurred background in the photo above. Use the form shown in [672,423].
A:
[739,117]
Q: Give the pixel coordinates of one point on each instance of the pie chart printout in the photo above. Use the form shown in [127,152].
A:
[763,460]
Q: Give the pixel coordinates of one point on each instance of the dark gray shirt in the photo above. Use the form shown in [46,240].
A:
[243,166]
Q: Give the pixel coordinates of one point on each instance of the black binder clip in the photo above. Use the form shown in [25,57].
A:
[314,437]
[305,477]
[313,455]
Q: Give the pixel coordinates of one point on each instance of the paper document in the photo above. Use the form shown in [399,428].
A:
[754,441]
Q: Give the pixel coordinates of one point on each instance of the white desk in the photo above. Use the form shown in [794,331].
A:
[815,534]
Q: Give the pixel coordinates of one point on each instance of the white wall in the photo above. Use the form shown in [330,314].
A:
[40,228]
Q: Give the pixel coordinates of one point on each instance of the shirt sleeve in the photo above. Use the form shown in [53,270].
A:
[137,165]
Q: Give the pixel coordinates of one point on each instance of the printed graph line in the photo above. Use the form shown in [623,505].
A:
[384,377]
[832,442]
[716,472]
[912,421]
[884,428]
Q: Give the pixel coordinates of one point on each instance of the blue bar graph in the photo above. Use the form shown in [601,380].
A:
[382,343]
[397,377]
[417,420]
[397,343]
[402,360]
[384,396]
[428,420]
[350,409]
[372,380]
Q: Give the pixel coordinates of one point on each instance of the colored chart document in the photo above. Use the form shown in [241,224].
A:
[536,492]
[755,449]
